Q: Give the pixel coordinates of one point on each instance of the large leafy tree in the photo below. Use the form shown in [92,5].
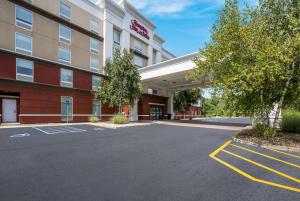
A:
[253,57]
[122,85]
[183,100]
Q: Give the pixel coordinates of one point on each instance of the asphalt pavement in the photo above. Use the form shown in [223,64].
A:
[144,163]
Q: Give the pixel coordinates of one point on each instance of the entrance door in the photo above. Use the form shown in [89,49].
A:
[9,110]
[156,112]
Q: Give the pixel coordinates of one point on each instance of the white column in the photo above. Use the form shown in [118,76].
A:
[125,39]
[170,104]
[108,40]
[158,57]
[150,55]
[133,112]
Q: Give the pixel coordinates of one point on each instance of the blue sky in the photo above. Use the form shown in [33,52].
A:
[184,24]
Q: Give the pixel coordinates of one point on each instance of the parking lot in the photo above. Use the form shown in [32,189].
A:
[155,162]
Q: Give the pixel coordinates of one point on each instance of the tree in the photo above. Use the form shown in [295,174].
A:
[122,85]
[183,100]
[253,57]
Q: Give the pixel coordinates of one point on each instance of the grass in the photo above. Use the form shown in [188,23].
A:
[119,119]
[291,121]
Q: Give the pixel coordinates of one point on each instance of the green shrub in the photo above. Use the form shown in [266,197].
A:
[290,121]
[94,119]
[270,132]
[260,128]
[119,119]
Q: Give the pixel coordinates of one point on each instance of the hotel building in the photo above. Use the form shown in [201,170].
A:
[52,55]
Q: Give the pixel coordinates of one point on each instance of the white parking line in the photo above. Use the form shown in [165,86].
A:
[58,129]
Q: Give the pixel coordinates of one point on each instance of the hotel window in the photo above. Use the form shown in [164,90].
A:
[95,82]
[29,1]
[23,44]
[65,11]
[96,108]
[23,18]
[94,64]
[66,78]
[24,70]
[138,45]
[94,26]
[138,61]
[94,45]
[64,55]
[66,108]
[117,37]
[65,34]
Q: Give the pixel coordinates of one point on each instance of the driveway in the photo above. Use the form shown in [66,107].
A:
[145,163]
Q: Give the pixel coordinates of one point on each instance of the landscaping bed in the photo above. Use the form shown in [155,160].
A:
[289,140]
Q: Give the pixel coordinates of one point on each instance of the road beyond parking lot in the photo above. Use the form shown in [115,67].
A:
[145,163]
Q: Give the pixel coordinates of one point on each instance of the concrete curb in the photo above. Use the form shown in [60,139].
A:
[268,146]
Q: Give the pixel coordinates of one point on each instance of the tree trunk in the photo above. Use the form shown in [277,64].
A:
[280,103]
[120,109]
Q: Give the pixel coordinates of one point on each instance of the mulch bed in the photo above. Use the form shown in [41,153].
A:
[281,139]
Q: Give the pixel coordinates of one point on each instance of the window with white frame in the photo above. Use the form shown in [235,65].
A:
[65,11]
[138,61]
[66,108]
[94,45]
[64,55]
[96,108]
[23,44]
[94,64]
[117,37]
[66,77]
[94,26]
[23,18]
[96,80]
[24,70]
[138,45]
[65,34]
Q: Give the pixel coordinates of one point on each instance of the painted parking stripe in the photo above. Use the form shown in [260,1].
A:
[266,156]
[58,129]
[262,166]
[288,154]
[241,172]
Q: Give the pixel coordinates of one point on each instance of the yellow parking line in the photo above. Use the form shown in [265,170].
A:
[267,156]
[253,178]
[220,148]
[284,153]
[263,166]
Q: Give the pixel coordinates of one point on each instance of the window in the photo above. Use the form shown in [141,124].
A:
[138,61]
[65,11]
[138,45]
[117,37]
[64,55]
[29,1]
[24,70]
[96,108]
[94,45]
[23,44]
[23,18]
[94,64]
[94,26]
[66,78]
[64,34]
[95,82]
[66,108]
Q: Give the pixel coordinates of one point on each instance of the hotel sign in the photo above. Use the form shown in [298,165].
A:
[140,29]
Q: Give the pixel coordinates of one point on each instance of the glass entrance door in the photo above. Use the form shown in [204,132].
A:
[156,112]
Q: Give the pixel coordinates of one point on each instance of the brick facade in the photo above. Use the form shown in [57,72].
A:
[145,103]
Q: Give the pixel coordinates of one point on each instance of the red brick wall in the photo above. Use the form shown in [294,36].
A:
[144,106]
[82,80]
[47,74]
[7,67]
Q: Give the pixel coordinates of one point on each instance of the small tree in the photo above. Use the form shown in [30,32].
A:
[183,100]
[253,57]
[122,86]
